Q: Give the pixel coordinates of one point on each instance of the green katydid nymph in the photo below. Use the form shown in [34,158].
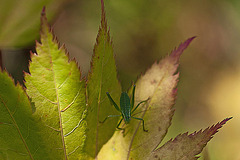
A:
[126,108]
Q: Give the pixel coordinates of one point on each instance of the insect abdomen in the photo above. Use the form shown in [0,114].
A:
[125,106]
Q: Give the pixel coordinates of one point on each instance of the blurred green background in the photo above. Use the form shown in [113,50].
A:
[144,32]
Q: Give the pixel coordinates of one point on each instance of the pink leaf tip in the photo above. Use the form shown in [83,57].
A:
[43,11]
[177,52]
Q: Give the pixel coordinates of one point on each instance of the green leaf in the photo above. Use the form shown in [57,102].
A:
[59,96]
[101,79]
[187,147]
[19,20]
[20,136]
[158,84]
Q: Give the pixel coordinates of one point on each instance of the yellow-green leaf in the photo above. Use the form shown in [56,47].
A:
[158,84]
[59,95]
[20,134]
[101,79]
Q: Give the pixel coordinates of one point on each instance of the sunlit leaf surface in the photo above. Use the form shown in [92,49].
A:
[59,95]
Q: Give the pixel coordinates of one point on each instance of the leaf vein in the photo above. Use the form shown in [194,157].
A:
[16,126]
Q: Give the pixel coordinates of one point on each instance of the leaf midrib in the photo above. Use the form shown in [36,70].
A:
[99,96]
[58,104]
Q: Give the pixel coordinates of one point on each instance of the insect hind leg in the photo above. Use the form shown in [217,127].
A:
[142,122]
[119,125]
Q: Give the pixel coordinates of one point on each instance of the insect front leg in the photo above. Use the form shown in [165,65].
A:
[109,117]
[142,122]
[112,102]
